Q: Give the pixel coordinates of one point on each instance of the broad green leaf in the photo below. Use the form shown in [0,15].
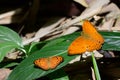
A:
[11,64]
[54,42]
[112,41]
[34,47]
[37,46]
[27,71]
[31,46]
[9,35]
[5,47]
[58,75]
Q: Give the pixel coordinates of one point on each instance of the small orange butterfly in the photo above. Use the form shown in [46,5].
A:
[89,40]
[49,62]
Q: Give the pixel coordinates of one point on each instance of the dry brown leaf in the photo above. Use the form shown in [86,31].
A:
[4,73]
[94,8]
[97,54]
[82,2]
[10,13]
[13,55]
[113,10]
[70,30]
[107,25]
[29,35]
[13,16]
[114,13]
[111,53]
[117,25]
[75,60]
[117,22]
[44,31]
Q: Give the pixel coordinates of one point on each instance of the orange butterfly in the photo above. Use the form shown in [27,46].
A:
[89,40]
[49,62]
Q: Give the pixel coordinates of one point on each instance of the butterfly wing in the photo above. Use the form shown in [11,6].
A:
[89,40]
[42,63]
[88,29]
[93,39]
[55,61]
[92,45]
[77,46]
[48,63]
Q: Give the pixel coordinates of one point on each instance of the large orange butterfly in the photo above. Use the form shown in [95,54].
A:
[49,62]
[89,40]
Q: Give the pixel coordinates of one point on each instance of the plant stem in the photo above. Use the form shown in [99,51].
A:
[96,70]
[23,50]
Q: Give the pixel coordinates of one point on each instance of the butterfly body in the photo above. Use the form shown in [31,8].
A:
[49,62]
[89,40]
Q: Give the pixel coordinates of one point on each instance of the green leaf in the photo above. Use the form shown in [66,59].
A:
[9,35]
[5,47]
[61,75]
[27,71]
[54,42]
[11,64]
[34,47]
[96,70]
[112,41]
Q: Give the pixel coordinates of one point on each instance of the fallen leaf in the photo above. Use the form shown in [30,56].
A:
[4,73]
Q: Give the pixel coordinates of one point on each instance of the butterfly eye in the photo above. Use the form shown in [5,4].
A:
[49,62]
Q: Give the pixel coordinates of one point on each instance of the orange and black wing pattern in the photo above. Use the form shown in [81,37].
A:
[89,40]
[49,62]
